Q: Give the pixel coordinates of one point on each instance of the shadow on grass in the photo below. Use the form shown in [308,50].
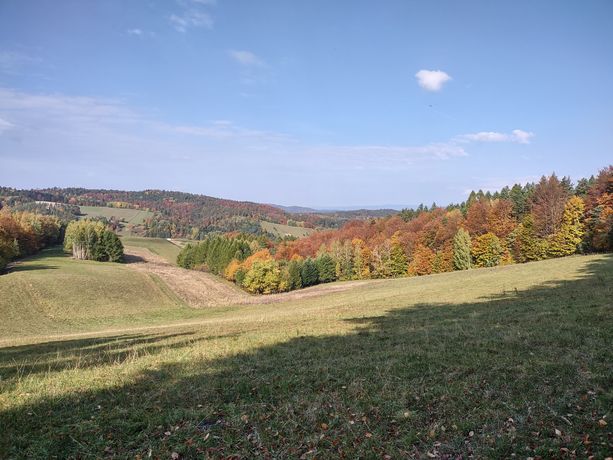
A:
[132,258]
[485,379]
[50,357]
[18,265]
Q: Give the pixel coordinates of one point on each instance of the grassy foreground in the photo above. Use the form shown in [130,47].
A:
[489,363]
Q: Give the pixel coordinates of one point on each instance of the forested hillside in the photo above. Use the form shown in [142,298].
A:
[176,214]
[552,218]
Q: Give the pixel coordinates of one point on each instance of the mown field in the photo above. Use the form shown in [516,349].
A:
[126,216]
[492,363]
[285,230]
[159,246]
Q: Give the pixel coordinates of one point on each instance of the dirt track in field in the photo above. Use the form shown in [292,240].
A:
[199,289]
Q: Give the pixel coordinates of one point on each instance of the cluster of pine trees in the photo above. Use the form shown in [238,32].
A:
[91,240]
[215,252]
[23,233]
[551,218]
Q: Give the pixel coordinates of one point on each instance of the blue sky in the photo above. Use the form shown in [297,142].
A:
[313,103]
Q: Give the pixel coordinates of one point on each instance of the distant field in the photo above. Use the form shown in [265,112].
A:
[284,230]
[159,246]
[507,362]
[127,216]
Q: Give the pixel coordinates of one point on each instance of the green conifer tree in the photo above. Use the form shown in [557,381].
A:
[461,250]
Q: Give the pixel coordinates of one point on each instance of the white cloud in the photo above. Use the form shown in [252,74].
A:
[194,14]
[137,32]
[523,137]
[432,80]
[246,58]
[5,125]
[517,135]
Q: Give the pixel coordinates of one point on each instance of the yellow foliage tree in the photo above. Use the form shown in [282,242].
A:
[567,239]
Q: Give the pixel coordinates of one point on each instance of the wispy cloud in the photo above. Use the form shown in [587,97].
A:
[253,69]
[378,153]
[15,62]
[246,58]
[5,125]
[137,32]
[517,135]
[194,14]
[90,133]
[227,130]
[432,80]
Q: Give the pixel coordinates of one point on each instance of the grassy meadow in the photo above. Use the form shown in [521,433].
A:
[125,215]
[282,230]
[50,293]
[159,246]
[493,363]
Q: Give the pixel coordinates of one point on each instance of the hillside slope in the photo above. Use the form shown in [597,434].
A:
[492,363]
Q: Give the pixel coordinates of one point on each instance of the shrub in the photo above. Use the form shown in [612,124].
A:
[263,277]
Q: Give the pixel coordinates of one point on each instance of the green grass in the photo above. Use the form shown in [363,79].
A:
[487,363]
[284,230]
[126,216]
[159,246]
[50,293]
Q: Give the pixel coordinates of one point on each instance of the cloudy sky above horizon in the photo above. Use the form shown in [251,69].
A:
[304,103]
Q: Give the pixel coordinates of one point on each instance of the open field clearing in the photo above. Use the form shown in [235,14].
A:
[159,246]
[285,230]
[125,215]
[487,362]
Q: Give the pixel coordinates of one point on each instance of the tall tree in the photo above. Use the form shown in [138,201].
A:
[567,239]
[528,246]
[398,259]
[487,250]
[423,259]
[461,250]
[326,268]
[547,204]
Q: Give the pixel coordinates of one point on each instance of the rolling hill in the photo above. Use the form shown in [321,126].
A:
[169,214]
[493,363]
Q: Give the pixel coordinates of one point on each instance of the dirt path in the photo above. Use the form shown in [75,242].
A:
[200,289]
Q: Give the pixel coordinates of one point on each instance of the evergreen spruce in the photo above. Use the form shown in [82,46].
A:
[461,250]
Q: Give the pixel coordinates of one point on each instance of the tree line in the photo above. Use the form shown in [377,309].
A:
[551,218]
[183,215]
[24,233]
